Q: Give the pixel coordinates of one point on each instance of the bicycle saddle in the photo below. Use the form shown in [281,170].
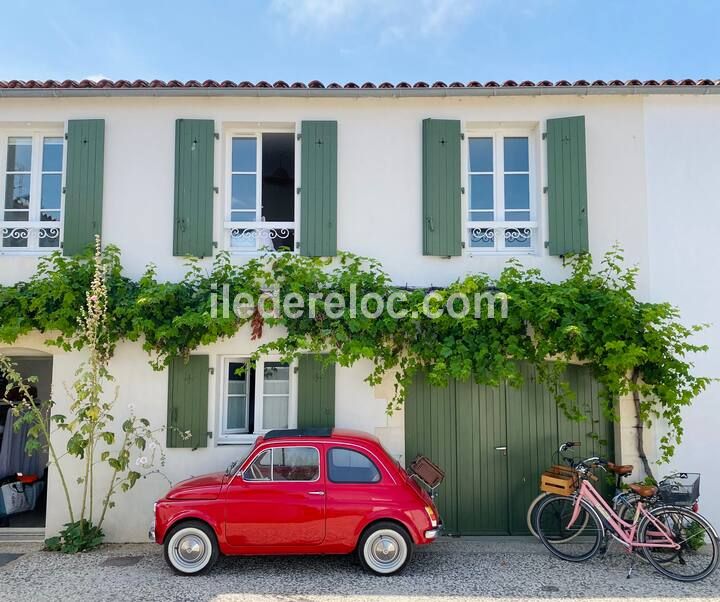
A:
[643,490]
[620,469]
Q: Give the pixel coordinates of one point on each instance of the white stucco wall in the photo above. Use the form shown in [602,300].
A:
[683,183]
[651,167]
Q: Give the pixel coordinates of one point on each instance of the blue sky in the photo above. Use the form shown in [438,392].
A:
[360,40]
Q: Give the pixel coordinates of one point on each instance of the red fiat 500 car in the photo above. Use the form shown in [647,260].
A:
[318,491]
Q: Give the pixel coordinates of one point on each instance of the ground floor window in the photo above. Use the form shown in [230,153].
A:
[255,399]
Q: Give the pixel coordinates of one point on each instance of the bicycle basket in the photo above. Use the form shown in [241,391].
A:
[681,489]
[562,480]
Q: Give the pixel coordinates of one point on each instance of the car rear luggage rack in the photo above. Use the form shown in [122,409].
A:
[427,473]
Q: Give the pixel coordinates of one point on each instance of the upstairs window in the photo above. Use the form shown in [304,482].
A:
[261,206]
[501,211]
[31,191]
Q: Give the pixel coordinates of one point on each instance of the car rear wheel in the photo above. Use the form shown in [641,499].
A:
[385,549]
[191,548]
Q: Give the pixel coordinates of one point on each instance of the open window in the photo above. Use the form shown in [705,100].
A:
[260,213]
[254,399]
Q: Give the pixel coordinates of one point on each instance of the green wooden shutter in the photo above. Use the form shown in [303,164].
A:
[188,401]
[567,186]
[441,187]
[318,192]
[194,187]
[83,184]
[316,393]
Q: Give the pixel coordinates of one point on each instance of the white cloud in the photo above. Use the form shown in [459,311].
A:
[96,77]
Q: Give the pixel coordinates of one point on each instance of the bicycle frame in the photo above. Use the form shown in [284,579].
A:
[625,531]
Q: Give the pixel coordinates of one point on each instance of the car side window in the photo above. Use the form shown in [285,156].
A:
[349,466]
[285,464]
[261,468]
[295,464]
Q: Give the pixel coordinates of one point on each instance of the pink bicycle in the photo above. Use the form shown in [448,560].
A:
[676,541]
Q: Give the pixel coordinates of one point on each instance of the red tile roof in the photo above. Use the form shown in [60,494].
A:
[317,85]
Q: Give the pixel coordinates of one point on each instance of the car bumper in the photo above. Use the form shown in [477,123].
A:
[151,533]
[431,534]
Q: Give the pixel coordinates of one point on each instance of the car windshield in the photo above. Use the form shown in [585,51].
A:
[231,469]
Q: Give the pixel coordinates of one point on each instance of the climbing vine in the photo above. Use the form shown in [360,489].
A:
[591,316]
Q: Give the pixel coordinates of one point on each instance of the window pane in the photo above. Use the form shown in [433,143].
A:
[243,239]
[17,192]
[278,239]
[260,469]
[482,238]
[276,395]
[296,464]
[14,237]
[275,412]
[348,466]
[517,238]
[51,191]
[236,412]
[243,192]
[482,216]
[278,177]
[276,372]
[19,154]
[50,216]
[244,153]
[517,191]
[517,216]
[52,154]
[481,154]
[49,238]
[516,154]
[481,192]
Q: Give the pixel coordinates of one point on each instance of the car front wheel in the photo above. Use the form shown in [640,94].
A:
[191,548]
[385,549]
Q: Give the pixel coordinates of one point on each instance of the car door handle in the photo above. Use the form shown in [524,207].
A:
[316,492]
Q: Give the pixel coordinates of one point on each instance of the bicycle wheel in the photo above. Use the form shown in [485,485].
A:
[532,513]
[698,540]
[575,543]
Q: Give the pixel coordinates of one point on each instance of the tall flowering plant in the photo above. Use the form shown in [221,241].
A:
[126,456]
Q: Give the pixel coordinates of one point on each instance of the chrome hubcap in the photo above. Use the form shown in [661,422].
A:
[191,548]
[385,551]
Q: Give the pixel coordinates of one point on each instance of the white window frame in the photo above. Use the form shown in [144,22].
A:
[33,225]
[258,225]
[498,134]
[227,437]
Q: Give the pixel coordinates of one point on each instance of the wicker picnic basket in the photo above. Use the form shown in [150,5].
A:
[559,479]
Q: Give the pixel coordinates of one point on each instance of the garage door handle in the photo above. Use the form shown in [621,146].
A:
[316,492]
[501,448]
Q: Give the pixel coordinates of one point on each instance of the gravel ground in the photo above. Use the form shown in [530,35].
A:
[465,569]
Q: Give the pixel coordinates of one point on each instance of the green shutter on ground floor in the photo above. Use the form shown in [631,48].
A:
[441,140]
[318,189]
[187,408]
[83,184]
[194,187]
[567,186]
[316,392]
[494,442]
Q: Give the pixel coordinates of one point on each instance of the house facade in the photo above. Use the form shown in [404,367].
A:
[166,171]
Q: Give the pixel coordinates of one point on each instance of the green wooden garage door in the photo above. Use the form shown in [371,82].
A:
[493,443]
